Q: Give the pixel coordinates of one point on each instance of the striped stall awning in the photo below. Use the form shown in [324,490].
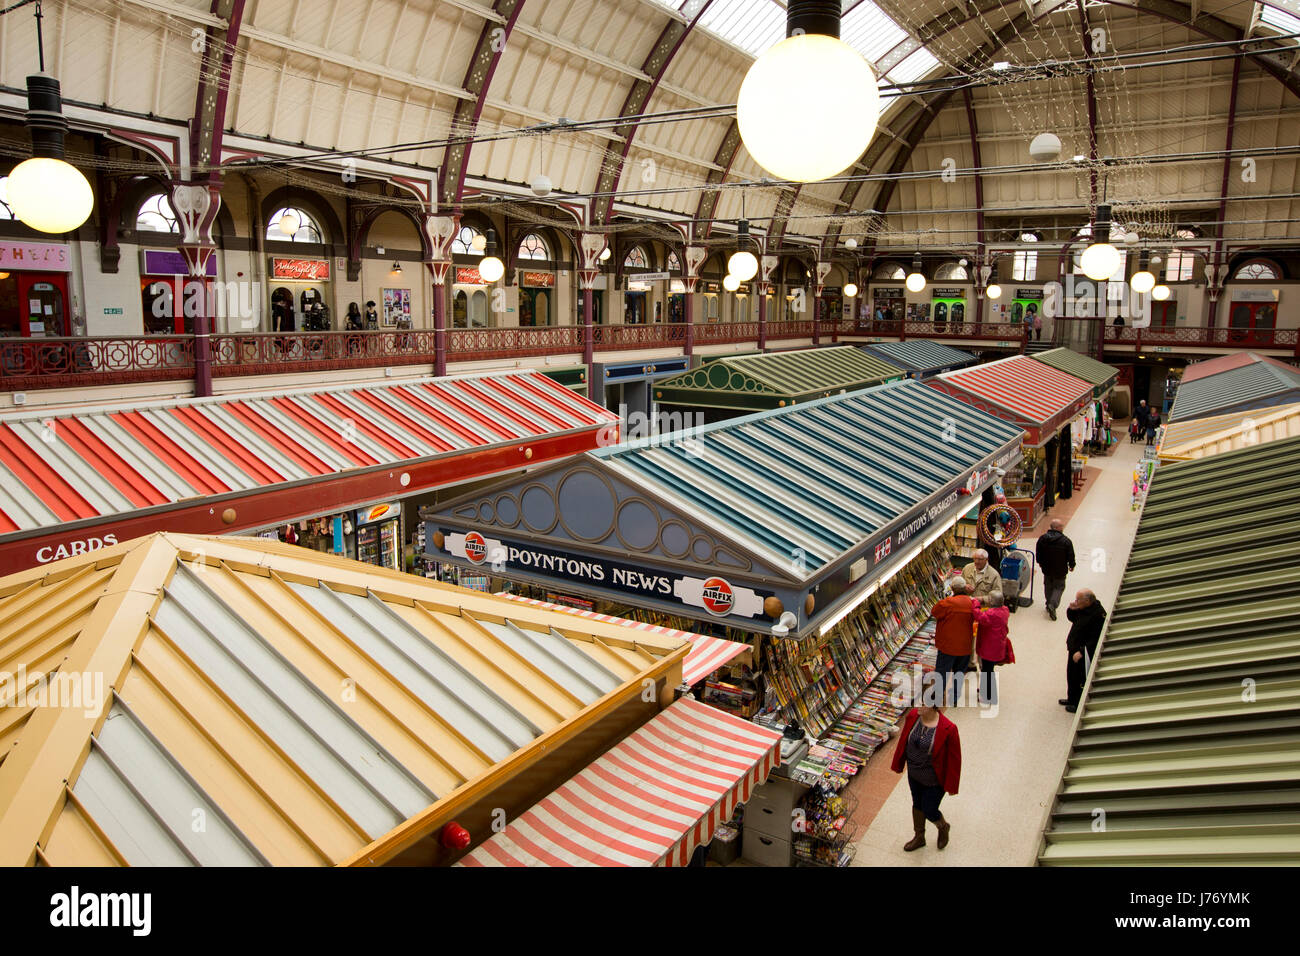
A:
[650,801]
[707,654]
[99,463]
[1032,394]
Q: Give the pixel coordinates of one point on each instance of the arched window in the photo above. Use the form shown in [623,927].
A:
[674,264]
[5,211]
[469,242]
[890,271]
[533,246]
[951,272]
[1257,270]
[308,229]
[156,215]
[636,259]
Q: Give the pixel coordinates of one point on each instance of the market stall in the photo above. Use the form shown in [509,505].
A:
[1042,400]
[309,710]
[1234,383]
[736,385]
[316,462]
[1186,734]
[921,358]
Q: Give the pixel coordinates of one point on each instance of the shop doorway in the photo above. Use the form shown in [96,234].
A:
[11,323]
[534,307]
[282,311]
[164,312]
[34,305]
[677,307]
[1252,322]
[634,308]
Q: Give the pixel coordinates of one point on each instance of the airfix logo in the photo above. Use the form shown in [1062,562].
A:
[475,547]
[718,598]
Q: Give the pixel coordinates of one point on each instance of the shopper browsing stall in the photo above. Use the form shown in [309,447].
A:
[931,748]
[954,638]
[992,644]
[982,579]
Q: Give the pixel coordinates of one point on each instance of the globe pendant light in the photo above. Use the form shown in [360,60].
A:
[604,254]
[45,192]
[290,222]
[994,291]
[743,264]
[490,267]
[915,281]
[1143,281]
[809,105]
[1100,260]
[478,243]
[1160,293]
[850,290]
[731,283]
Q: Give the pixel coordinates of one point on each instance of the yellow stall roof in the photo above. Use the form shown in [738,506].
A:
[180,699]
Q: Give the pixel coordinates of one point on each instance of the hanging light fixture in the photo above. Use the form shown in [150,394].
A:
[46,192]
[994,291]
[490,267]
[743,264]
[809,105]
[290,222]
[1143,281]
[478,243]
[731,283]
[915,281]
[850,290]
[1101,259]
[1160,293]
[397,268]
[605,254]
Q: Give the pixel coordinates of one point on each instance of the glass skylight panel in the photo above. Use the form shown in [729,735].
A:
[914,67]
[1286,22]
[753,25]
[869,30]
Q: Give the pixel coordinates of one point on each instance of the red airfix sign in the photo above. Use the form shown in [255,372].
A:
[303,270]
[475,547]
[718,597]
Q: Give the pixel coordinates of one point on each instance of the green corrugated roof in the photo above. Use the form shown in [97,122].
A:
[921,355]
[1097,374]
[775,379]
[1257,385]
[1188,738]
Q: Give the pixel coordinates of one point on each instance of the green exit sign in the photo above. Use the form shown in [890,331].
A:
[108,311]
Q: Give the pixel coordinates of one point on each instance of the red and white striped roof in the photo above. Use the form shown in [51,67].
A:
[1034,392]
[707,654]
[650,801]
[100,462]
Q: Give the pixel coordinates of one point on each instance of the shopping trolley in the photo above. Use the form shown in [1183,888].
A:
[1017,572]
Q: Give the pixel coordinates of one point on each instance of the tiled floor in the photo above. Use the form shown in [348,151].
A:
[1012,761]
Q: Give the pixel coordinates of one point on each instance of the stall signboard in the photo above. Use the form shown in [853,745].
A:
[468,275]
[648,276]
[714,594]
[949,294]
[711,287]
[300,270]
[1029,295]
[1255,295]
[531,280]
[380,512]
[832,291]
[164,262]
[19,256]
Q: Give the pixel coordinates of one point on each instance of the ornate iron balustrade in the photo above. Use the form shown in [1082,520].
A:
[70,362]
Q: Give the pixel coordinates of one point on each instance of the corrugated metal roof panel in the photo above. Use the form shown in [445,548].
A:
[110,462]
[1187,736]
[766,380]
[1034,392]
[1203,437]
[921,355]
[1225,363]
[306,708]
[1257,385]
[1097,374]
[821,478]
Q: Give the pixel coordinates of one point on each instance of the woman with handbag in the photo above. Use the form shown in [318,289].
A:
[931,748]
[992,645]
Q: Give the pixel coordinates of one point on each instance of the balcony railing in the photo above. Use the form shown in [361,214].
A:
[42,363]
[69,362]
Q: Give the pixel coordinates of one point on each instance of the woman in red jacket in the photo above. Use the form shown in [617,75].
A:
[931,748]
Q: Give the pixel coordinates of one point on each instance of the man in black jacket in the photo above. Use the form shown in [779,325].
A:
[1087,618]
[1055,554]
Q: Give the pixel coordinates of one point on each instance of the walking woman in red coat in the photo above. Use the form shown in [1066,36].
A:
[931,748]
